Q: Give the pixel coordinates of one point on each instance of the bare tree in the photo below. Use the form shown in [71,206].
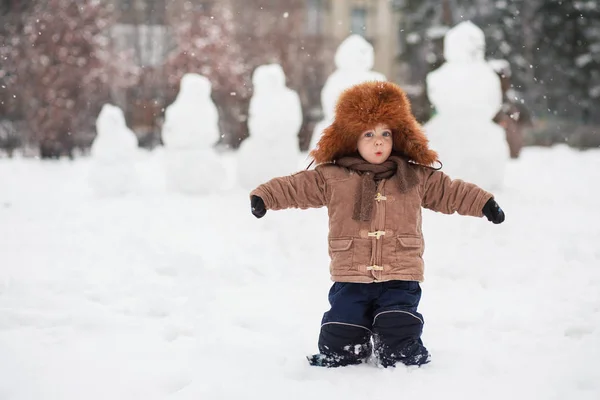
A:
[206,44]
[278,32]
[65,70]
[11,45]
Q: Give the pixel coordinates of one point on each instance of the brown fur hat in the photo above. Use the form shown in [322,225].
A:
[363,106]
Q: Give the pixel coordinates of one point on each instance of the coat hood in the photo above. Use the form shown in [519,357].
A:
[360,108]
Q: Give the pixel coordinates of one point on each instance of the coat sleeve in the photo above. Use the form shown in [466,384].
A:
[305,189]
[448,196]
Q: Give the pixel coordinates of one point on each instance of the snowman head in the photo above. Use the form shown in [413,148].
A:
[194,88]
[268,78]
[464,43]
[110,120]
[355,54]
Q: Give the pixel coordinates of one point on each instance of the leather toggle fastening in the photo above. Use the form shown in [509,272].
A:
[376,234]
[380,197]
[375,268]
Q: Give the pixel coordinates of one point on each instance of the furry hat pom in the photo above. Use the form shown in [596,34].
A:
[363,106]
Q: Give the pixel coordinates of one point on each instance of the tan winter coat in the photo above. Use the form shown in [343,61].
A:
[390,246]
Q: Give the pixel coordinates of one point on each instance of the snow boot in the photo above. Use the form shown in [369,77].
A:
[413,353]
[341,345]
[333,361]
[397,338]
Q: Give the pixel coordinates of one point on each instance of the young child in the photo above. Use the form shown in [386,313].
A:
[373,175]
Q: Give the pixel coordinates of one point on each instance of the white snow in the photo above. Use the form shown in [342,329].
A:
[113,153]
[500,66]
[436,32]
[158,295]
[583,60]
[274,120]
[354,60]
[466,93]
[189,133]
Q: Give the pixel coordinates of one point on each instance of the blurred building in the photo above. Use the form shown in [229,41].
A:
[145,27]
[378,21]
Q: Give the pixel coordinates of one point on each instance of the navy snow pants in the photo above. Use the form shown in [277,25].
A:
[385,312]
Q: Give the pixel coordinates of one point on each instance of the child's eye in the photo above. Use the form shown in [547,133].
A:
[369,134]
[386,134]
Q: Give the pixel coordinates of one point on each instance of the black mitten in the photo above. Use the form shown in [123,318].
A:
[257,206]
[493,212]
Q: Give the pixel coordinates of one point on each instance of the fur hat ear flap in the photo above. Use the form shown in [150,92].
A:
[333,144]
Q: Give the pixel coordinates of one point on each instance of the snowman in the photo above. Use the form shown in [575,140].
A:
[466,93]
[192,165]
[274,120]
[354,60]
[113,154]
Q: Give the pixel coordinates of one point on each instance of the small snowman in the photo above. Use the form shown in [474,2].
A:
[113,154]
[189,133]
[354,59]
[466,93]
[274,120]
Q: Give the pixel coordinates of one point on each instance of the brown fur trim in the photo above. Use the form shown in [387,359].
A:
[363,106]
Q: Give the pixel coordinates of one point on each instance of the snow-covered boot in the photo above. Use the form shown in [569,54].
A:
[397,338]
[414,353]
[341,345]
[333,361]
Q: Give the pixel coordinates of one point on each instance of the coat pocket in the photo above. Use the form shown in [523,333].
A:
[409,247]
[340,251]
[410,241]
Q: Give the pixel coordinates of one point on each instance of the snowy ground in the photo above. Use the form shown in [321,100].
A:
[161,296]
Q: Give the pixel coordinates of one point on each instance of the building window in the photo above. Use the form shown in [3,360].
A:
[399,4]
[203,6]
[126,5]
[155,12]
[401,40]
[149,41]
[5,6]
[314,18]
[358,21]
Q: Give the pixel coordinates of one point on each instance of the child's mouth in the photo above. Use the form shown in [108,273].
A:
[378,153]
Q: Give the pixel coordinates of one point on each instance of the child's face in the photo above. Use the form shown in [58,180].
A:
[375,145]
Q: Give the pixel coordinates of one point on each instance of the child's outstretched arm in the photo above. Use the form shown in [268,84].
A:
[305,189]
[442,194]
